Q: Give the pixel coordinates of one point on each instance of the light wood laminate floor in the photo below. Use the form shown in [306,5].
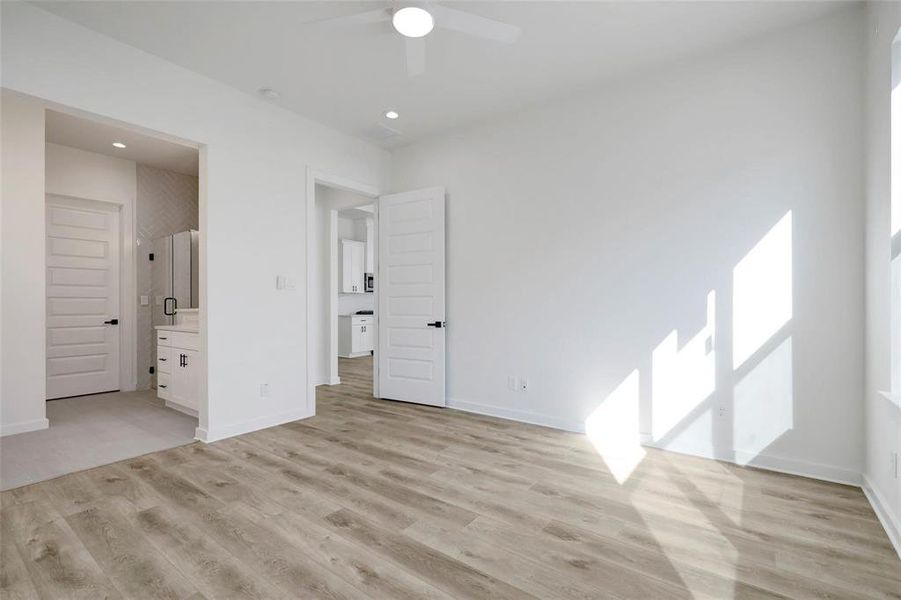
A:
[377,499]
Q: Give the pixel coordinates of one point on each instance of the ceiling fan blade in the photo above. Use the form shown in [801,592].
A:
[472,24]
[370,17]
[415,49]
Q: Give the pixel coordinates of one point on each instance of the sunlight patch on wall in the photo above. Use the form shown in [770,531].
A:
[613,429]
[682,378]
[762,291]
[763,404]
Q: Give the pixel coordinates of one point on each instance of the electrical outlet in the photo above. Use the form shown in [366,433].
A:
[264,390]
[523,384]
[722,411]
[511,383]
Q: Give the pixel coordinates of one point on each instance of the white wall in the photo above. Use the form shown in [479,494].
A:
[252,205]
[82,174]
[586,236]
[320,309]
[883,420]
[23,384]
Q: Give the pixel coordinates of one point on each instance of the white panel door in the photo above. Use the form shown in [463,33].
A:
[82,298]
[411,297]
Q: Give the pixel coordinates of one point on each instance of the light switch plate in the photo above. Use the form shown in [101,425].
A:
[145,300]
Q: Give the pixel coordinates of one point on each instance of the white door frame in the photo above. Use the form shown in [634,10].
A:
[128,349]
[369,191]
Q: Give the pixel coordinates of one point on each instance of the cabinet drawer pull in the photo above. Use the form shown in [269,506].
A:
[162,385]
[164,338]
[164,359]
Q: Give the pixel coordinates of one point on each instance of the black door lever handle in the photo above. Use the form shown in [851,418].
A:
[436,324]
[111,322]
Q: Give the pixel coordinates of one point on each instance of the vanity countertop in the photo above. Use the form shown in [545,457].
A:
[184,328]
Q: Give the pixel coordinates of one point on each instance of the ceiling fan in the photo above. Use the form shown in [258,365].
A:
[414,21]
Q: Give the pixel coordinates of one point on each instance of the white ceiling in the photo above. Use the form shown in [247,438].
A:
[348,77]
[93,136]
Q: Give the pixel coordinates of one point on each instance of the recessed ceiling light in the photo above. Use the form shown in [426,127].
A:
[392,114]
[413,22]
[268,92]
[118,144]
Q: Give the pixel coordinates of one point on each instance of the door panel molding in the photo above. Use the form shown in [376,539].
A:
[411,297]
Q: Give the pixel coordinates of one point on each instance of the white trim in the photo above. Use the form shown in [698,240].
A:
[203,403]
[341,183]
[515,415]
[769,462]
[24,427]
[220,433]
[890,522]
[803,468]
[761,461]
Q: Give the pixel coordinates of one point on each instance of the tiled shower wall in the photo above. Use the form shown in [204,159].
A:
[166,204]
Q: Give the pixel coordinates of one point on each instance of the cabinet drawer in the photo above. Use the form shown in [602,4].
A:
[187,341]
[163,359]
[163,386]
[367,320]
[163,338]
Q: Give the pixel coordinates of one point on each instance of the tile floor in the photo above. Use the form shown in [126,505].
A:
[90,431]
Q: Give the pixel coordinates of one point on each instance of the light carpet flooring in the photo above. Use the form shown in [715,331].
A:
[90,431]
[376,499]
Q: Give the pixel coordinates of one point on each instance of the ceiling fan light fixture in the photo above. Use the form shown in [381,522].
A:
[413,22]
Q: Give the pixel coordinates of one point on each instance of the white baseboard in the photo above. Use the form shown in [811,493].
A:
[890,521]
[762,461]
[770,462]
[24,427]
[220,433]
[799,467]
[516,415]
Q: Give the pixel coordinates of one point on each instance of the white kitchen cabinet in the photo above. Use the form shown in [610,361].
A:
[356,335]
[352,265]
[178,368]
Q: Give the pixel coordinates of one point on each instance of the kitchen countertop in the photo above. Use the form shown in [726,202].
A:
[184,328]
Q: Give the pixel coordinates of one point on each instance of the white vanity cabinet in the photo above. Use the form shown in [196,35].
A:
[178,368]
[356,335]
[352,265]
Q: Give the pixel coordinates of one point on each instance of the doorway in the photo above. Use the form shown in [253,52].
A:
[112,192]
[342,261]
[400,329]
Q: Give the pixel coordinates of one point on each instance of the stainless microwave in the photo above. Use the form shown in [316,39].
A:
[368,282]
